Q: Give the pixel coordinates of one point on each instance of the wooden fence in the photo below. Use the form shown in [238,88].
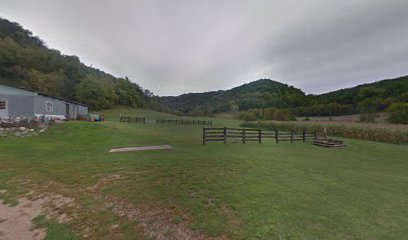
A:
[255,135]
[133,119]
[184,121]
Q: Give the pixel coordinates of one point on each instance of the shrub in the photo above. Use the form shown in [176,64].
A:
[370,117]
[399,113]
[247,116]
[280,114]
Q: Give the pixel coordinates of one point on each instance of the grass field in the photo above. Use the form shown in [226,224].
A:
[232,191]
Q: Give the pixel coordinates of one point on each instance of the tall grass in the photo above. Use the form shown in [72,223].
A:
[373,132]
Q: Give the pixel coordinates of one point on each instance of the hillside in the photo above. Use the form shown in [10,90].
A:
[365,98]
[26,62]
[268,95]
[258,94]
[390,88]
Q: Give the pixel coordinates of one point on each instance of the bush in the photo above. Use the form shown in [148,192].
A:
[399,113]
[247,116]
[370,117]
[251,115]
[279,114]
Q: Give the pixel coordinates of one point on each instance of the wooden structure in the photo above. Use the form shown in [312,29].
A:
[184,121]
[137,149]
[330,143]
[133,119]
[252,135]
[327,142]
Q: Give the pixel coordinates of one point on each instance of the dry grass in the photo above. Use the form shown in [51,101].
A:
[389,133]
[382,118]
[371,126]
[155,221]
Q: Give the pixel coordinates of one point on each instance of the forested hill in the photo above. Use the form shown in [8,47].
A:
[391,88]
[366,98]
[26,62]
[258,94]
[266,97]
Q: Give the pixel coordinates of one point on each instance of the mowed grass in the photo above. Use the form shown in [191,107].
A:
[251,191]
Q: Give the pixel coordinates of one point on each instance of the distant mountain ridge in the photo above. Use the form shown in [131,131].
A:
[257,94]
[390,88]
[266,93]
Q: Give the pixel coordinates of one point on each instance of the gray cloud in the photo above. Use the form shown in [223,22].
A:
[178,46]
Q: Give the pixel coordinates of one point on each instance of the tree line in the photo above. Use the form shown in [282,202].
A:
[271,100]
[26,62]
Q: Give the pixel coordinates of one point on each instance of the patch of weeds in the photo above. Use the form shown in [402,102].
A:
[8,200]
[55,230]
[107,190]
[8,194]
[132,230]
[178,219]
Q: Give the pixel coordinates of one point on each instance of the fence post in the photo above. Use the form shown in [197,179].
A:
[144,120]
[277,135]
[225,135]
[243,136]
[259,135]
[129,119]
[315,134]
[291,136]
[203,136]
[304,135]
[120,118]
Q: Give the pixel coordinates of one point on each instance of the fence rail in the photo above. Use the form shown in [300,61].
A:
[184,121]
[133,119]
[129,119]
[253,135]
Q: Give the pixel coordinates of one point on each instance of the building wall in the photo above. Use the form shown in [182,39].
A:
[40,106]
[59,107]
[23,103]
[19,106]
[76,110]
[83,110]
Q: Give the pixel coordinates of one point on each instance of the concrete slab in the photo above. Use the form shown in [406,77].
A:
[145,148]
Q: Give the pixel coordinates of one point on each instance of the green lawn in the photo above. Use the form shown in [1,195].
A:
[232,191]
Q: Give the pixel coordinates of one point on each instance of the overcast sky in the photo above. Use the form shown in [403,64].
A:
[178,46]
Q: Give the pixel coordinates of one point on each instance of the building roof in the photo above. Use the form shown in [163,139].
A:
[7,90]
[15,91]
[62,99]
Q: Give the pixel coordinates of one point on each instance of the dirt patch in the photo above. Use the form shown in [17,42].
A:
[233,219]
[155,221]
[16,221]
